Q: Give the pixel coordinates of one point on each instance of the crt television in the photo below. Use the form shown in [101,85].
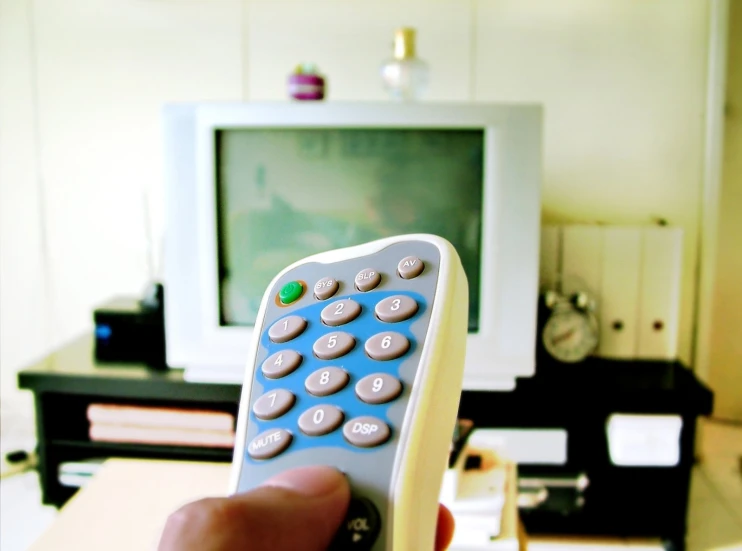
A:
[253,187]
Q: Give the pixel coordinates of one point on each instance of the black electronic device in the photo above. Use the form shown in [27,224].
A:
[132,330]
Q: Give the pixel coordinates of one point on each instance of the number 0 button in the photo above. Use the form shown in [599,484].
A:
[320,420]
[273,404]
[333,345]
[324,382]
[387,346]
[378,388]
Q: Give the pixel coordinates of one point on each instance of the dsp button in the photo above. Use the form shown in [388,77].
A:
[366,432]
[387,345]
[269,444]
[360,528]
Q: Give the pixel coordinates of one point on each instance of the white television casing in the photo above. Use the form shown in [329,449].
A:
[504,346]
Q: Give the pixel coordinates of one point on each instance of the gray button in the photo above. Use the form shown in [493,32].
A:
[333,345]
[340,312]
[269,443]
[378,388]
[396,308]
[326,381]
[281,364]
[366,432]
[326,287]
[320,420]
[387,345]
[367,279]
[410,267]
[273,404]
[287,328]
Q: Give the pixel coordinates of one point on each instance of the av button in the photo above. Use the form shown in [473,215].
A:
[361,527]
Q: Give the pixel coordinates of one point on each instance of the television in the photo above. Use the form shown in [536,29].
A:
[253,187]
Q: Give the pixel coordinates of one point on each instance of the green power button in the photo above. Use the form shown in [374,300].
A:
[290,292]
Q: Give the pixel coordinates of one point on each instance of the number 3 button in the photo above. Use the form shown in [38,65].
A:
[378,388]
[387,346]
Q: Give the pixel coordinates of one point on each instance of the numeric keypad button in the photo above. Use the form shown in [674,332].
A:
[320,420]
[368,279]
[273,404]
[366,432]
[333,345]
[378,388]
[340,312]
[281,364]
[286,329]
[326,288]
[326,381]
[387,345]
[396,308]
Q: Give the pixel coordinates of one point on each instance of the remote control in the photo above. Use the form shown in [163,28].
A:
[357,362]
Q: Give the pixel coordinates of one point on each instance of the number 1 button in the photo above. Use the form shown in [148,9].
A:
[286,329]
[387,346]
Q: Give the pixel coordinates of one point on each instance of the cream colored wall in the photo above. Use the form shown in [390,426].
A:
[725,343]
[622,83]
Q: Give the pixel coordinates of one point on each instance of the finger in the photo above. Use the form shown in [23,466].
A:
[444,530]
[300,510]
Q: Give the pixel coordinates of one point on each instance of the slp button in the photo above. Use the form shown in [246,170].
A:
[360,528]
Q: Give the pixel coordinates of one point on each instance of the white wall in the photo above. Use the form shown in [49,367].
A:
[622,83]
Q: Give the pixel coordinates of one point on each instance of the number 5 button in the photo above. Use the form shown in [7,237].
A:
[333,345]
[378,388]
[387,346]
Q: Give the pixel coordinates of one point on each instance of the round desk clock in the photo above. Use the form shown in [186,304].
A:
[570,333]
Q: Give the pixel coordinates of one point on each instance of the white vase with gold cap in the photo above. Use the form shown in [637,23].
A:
[405,76]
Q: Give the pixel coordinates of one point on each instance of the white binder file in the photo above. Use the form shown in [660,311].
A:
[549,256]
[659,303]
[619,297]
[581,259]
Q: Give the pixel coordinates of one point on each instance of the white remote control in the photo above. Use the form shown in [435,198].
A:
[357,362]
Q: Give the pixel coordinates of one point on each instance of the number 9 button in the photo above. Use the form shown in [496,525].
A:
[378,388]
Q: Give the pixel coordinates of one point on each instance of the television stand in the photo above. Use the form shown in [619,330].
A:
[619,501]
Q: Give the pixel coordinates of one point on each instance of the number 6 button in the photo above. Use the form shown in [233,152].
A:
[378,388]
[387,346]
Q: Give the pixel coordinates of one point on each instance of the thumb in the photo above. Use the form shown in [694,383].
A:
[300,510]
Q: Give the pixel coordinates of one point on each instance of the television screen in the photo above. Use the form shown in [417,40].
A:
[284,193]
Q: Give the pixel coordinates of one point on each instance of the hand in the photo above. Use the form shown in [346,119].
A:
[299,510]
